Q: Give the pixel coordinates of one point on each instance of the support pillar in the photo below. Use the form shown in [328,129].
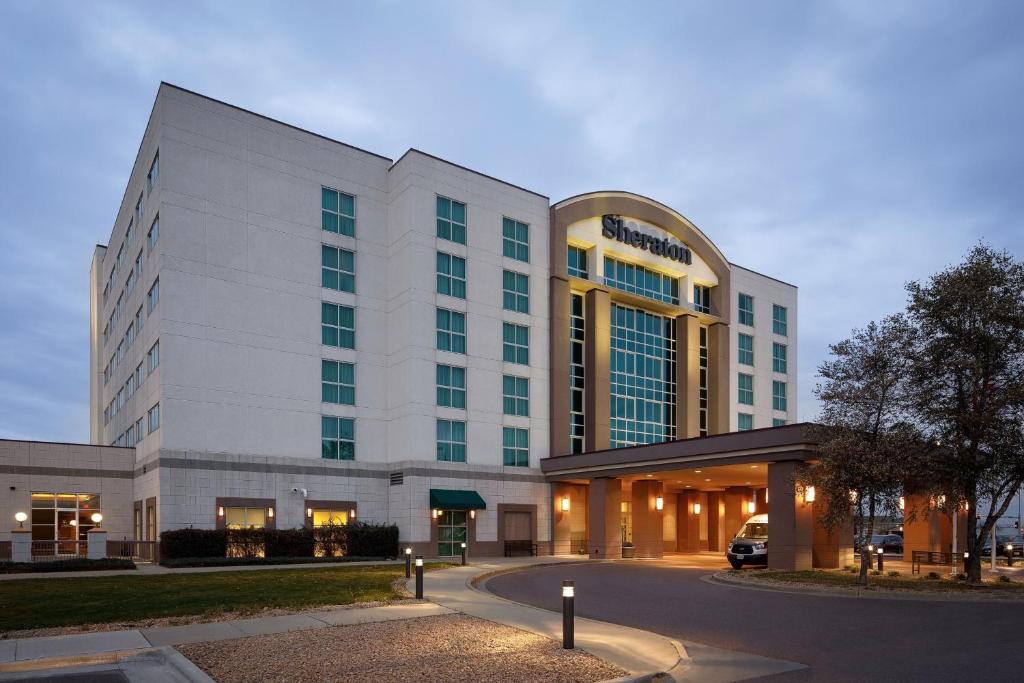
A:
[719,379]
[790,520]
[21,545]
[688,376]
[734,513]
[714,512]
[688,524]
[96,548]
[928,528]
[605,504]
[830,549]
[569,527]
[648,520]
[670,523]
[559,359]
[597,371]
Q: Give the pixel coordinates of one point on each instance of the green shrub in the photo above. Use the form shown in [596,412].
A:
[78,564]
[961,577]
[876,572]
[260,561]
[1003,578]
[894,574]
[288,542]
[351,540]
[372,539]
[193,543]
[934,576]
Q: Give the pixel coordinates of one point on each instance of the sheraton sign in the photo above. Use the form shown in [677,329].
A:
[614,228]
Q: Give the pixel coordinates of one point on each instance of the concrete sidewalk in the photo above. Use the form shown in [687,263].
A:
[641,653]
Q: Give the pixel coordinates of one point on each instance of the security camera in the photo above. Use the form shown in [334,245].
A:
[298,490]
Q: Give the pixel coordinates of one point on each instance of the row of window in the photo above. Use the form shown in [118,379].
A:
[780,325]
[134,330]
[451,281]
[745,353]
[745,421]
[137,432]
[451,336]
[132,384]
[745,392]
[135,220]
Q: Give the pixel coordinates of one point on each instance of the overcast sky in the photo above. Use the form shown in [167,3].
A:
[845,147]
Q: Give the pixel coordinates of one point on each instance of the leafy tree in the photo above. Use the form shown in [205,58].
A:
[967,381]
[866,437]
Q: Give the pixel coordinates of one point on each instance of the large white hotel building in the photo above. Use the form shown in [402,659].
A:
[287,329]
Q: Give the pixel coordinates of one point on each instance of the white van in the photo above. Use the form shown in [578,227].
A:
[750,546]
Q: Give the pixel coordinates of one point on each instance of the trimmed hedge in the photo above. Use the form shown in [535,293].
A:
[78,564]
[259,561]
[350,540]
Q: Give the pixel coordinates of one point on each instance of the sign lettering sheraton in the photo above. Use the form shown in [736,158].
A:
[614,228]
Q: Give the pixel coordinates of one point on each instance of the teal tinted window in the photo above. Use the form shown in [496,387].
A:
[451,331]
[577,374]
[635,279]
[451,441]
[515,239]
[744,421]
[515,343]
[578,262]
[779,324]
[746,349]
[515,395]
[515,294]
[778,422]
[702,299]
[745,388]
[746,309]
[451,275]
[451,220]
[338,382]
[338,269]
[338,325]
[338,437]
[451,386]
[338,212]
[643,377]
[515,447]
[778,395]
[779,357]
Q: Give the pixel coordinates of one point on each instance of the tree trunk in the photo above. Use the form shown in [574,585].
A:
[865,553]
[972,565]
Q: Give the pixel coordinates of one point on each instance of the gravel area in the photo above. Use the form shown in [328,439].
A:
[436,649]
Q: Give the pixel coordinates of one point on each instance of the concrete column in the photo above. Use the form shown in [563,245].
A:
[605,510]
[688,523]
[926,528]
[715,511]
[97,544]
[597,370]
[760,504]
[790,520]
[569,529]
[559,357]
[830,549]
[687,376]
[719,381]
[21,545]
[670,523]
[648,520]
[734,513]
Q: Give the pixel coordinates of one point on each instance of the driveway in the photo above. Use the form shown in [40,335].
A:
[837,638]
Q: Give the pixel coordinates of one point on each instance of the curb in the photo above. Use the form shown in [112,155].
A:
[181,668]
[479,584]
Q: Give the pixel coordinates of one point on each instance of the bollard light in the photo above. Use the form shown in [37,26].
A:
[419,577]
[463,553]
[659,503]
[881,558]
[871,553]
[568,615]
[1009,554]
[20,518]
[565,503]
[96,518]
[408,562]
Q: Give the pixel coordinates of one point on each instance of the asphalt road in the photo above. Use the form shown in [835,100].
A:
[838,638]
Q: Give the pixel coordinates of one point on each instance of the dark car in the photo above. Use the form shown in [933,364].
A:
[1016,540]
[891,543]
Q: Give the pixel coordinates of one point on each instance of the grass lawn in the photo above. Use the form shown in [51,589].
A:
[840,578]
[40,603]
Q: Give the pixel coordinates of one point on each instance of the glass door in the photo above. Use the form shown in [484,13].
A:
[451,532]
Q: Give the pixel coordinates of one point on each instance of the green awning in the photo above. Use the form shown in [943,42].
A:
[450,499]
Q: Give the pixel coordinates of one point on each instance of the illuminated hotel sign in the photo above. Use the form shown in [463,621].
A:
[614,228]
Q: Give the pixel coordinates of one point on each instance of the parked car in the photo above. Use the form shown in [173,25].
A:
[1016,540]
[750,545]
[891,543]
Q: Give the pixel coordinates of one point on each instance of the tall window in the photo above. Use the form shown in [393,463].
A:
[154,172]
[778,395]
[746,349]
[515,447]
[779,325]
[778,357]
[339,269]
[451,386]
[515,295]
[140,208]
[154,234]
[703,385]
[153,297]
[129,236]
[635,279]
[338,325]
[578,262]
[515,239]
[451,441]
[154,418]
[140,431]
[745,387]
[643,377]
[153,357]
[515,395]
[702,298]
[338,438]
[139,377]
[138,265]
[451,220]
[338,382]
[515,343]
[744,421]
[337,212]
[746,307]
[577,332]
[451,275]
[451,331]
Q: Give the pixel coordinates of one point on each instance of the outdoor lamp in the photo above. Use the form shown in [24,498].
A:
[966,554]
[568,615]
[20,518]
[270,512]
[871,548]
[309,512]
[881,558]
[352,513]
[565,503]
[696,508]
[419,561]
[568,589]
[472,514]
[903,503]
[659,503]
[220,511]
[408,551]
[96,518]
[433,514]
[809,494]
[751,507]
[73,522]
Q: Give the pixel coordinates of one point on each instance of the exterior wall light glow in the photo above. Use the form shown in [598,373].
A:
[419,561]
[220,511]
[568,591]
[903,503]
[408,551]
[751,507]
[433,514]
[96,518]
[309,512]
[20,518]
[472,514]
[696,508]
[659,503]
[352,513]
[270,513]
[565,503]
[809,494]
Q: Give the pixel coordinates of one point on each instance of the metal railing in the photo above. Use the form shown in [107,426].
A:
[58,550]
[143,551]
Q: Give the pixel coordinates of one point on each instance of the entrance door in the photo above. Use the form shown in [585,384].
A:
[518,527]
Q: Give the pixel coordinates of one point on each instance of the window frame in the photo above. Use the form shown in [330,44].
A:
[512,243]
[337,328]
[743,392]
[745,356]
[448,281]
[448,332]
[337,272]
[454,228]
[446,440]
[512,351]
[515,395]
[745,316]
[343,221]
[513,452]
[450,385]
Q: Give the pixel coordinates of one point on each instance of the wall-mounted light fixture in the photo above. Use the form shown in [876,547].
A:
[472,514]
[20,518]
[352,513]
[696,508]
[220,511]
[903,503]
[809,494]
[659,503]
[565,503]
[309,512]
[751,507]
[270,513]
[433,513]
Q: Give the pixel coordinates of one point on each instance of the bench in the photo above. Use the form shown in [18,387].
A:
[520,547]
[919,557]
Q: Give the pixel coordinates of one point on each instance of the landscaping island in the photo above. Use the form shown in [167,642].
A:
[844,581]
